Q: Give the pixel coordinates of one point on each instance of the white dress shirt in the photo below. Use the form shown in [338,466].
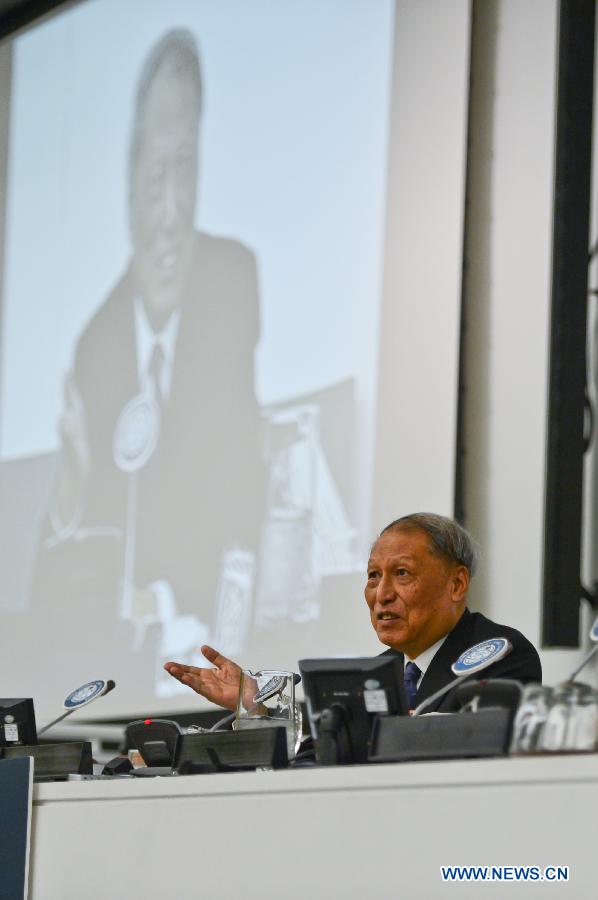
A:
[146,339]
[424,659]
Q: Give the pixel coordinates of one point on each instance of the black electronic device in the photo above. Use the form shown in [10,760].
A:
[17,722]
[502,693]
[55,762]
[230,751]
[445,736]
[119,765]
[156,740]
[343,698]
[482,725]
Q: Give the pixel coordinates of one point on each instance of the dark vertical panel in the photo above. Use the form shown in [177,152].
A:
[5,90]
[565,442]
[16,776]
[16,14]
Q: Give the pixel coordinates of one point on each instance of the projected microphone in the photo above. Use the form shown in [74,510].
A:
[593,651]
[478,657]
[134,442]
[81,696]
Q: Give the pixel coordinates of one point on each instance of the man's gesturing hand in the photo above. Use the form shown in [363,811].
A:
[220,684]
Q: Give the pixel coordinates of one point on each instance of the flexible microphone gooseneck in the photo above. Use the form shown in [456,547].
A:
[593,651]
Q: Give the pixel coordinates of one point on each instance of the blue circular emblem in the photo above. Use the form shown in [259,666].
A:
[481,655]
[594,631]
[84,694]
[272,687]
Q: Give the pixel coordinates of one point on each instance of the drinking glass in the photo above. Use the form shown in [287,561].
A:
[572,722]
[530,718]
[267,699]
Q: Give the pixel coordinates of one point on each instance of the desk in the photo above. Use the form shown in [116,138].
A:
[349,832]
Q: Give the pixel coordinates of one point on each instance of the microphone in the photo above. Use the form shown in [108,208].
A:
[81,696]
[593,651]
[471,661]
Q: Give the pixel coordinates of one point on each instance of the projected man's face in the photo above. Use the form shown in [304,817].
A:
[163,191]
[415,597]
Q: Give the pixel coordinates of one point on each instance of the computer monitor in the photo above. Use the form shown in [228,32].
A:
[343,697]
[17,722]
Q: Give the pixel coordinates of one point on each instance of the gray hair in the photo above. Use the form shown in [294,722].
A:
[447,537]
[176,49]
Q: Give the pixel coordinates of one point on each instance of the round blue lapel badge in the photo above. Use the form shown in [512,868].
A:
[594,631]
[481,655]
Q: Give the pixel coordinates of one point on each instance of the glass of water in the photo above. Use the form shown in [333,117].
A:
[572,722]
[266,700]
[531,718]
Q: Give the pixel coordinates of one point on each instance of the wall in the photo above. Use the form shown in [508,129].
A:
[507,307]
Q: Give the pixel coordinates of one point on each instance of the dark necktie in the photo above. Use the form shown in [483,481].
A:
[411,676]
[155,370]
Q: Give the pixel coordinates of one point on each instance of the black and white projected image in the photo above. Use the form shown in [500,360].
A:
[198,489]
[158,500]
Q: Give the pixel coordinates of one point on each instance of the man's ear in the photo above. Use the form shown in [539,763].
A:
[460,583]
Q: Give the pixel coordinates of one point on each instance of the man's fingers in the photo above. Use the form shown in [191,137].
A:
[175,668]
[186,675]
[214,656]
[179,671]
[205,681]
[210,653]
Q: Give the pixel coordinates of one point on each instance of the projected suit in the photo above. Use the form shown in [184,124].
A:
[201,491]
[187,515]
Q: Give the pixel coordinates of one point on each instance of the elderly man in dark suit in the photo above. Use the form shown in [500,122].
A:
[418,576]
[417,580]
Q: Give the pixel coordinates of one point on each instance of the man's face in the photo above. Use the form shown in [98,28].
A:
[415,597]
[163,191]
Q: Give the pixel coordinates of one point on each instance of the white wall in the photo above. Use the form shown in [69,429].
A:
[418,375]
[507,297]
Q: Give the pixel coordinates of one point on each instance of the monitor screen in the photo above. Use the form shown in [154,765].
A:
[343,698]
[17,722]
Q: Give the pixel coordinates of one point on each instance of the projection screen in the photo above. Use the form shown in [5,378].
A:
[230,328]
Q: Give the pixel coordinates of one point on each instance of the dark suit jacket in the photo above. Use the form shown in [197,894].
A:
[522,664]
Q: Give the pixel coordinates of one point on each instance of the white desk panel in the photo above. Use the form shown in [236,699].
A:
[351,832]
